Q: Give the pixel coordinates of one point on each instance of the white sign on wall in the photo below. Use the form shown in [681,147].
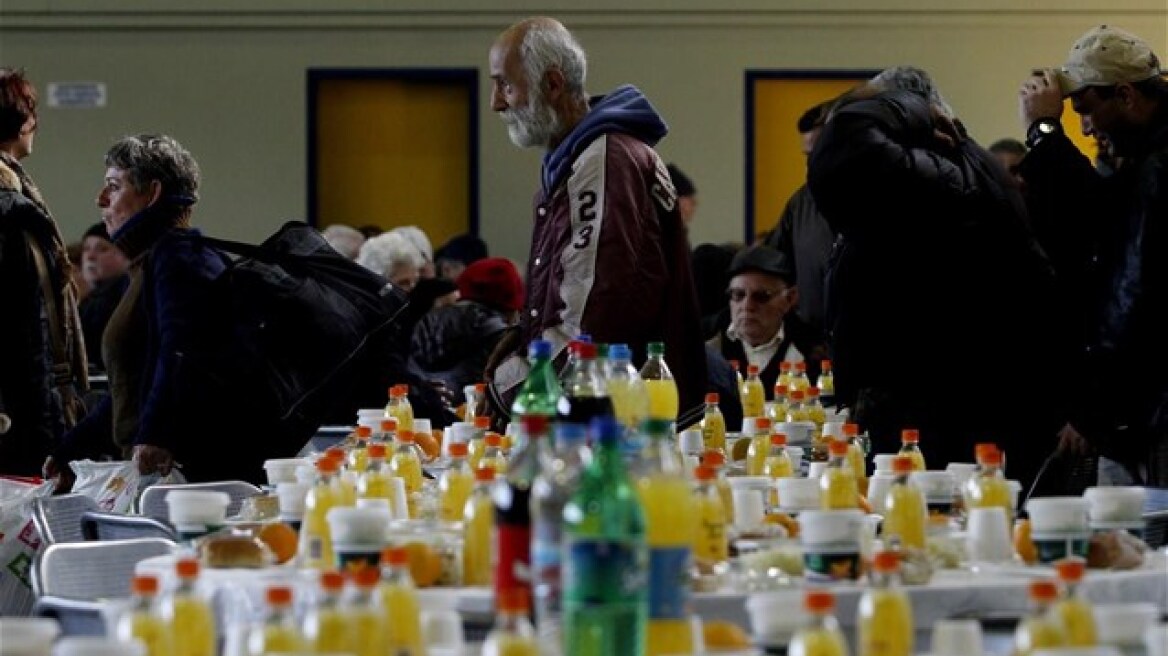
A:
[77,95]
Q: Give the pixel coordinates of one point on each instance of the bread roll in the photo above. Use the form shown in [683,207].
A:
[234,551]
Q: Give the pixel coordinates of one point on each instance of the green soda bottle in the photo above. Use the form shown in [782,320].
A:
[605,569]
[541,390]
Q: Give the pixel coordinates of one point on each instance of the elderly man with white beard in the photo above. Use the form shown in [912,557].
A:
[608,254]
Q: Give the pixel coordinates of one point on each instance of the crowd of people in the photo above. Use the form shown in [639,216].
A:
[1011,295]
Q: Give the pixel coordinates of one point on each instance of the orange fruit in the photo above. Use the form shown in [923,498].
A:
[721,634]
[864,505]
[427,444]
[281,539]
[425,564]
[1023,543]
[786,521]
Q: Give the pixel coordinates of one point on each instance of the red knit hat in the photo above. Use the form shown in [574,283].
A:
[492,281]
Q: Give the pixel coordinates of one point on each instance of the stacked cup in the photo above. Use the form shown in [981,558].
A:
[1059,527]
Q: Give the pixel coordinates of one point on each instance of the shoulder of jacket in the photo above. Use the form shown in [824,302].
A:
[9,181]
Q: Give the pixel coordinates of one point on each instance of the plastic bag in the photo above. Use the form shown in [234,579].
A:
[115,486]
[19,542]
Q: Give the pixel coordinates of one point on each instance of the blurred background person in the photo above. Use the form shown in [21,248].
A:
[41,329]
[391,255]
[104,267]
[1010,153]
[418,239]
[457,254]
[687,194]
[345,239]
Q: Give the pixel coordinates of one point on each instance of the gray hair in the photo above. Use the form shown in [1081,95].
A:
[418,239]
[548,45]
[149,157]
[914,80]
[387,251]
[344,239]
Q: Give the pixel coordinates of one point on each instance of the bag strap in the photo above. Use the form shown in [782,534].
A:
[62,369]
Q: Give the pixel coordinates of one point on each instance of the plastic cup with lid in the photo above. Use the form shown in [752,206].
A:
[97,646]
[883,462]
[195,513]
[282,470]
[27,636]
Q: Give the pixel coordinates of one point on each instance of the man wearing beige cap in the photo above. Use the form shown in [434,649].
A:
[1108,239]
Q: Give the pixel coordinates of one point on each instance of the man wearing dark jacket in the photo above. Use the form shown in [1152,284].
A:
[1106,234]
[920,207]
[608,254]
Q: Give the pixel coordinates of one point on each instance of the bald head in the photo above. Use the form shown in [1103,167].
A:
[538,70]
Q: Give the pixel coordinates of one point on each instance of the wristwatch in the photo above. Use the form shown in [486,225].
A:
[1041,129]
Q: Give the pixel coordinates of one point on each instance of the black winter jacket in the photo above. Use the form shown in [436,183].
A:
[452,344]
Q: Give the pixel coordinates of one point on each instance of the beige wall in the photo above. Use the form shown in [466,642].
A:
[227,77]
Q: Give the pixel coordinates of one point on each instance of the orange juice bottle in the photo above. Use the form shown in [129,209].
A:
[777,409]
[713,425]
[988,488]
[344,482]
[387,433]
[478,518]
[821,635]
[191,620]
[778,464]
[905,511]
[796,407]
[402,617]
[1072,610]
[1041,629]
[826,383]
[910,445]
[738,380]
[316,547]
[278,633]
[364,610]
[471,408]
[374,481]
[886,624]
[143,620]
[493,453]
[513,634]
[760,447]
[815,410]
[399,407]
[799,381]
[753,395]
[408,465]
[455,486]
[717,460]
[710,544]
[327,628]
[477,444]
[659,383]
[856,458]
[669,531]
[358,459]
[785,375]
[838,484]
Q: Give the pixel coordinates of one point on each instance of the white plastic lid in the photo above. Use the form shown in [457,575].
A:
[97,646]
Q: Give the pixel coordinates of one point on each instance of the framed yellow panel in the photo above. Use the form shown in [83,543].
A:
[394,147]
[775,165]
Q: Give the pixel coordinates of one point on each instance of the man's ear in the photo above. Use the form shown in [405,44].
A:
[793,296]
[554,85]
[1126,94]
[155,191]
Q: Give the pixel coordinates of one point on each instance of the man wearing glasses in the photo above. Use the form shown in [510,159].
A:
[763,329]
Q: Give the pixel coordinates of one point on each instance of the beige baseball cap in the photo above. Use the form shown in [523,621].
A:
[1106,56]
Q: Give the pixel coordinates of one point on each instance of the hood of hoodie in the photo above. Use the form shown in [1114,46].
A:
[625,110]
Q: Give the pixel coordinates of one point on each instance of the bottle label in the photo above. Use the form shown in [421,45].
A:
[600,571]
[825,563]
[669,583]
[545,568]
[513,567]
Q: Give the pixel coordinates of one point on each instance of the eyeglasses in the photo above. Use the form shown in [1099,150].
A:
[760,296]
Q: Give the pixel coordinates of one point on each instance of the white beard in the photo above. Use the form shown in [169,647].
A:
[533,125]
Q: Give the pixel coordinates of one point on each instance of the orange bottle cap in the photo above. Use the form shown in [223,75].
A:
[377,450]
[819,601]
[779,439]
[837,448]
[485,474]
[327,465]
[713,458]
[812,392]
[910,436]
[705,473]
[398,391]
[851,430]
[395,556]
[187,568]
[886,561]
[144,584]
[902,465]
[1071,570]
[514,600]
[752,370]
[780,389]
[332,581]
[336,453]
[457,449]
[405,436]
[482,423]
[480,387]
[366,577]
[784,366]
[801,366]
[279,595]
[364,431]
[796,395]
[712,397]
[762,423]
[825,365]
[389,425]
[493,439]
[983,448]
[991,458]
[1043,591]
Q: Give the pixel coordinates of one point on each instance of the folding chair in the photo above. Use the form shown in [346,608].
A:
[93,571]
[76,617]
[1156,517]
[58,518]
[153,500]
[113,526]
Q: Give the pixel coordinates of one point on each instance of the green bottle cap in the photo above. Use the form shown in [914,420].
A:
[656,348]
[656,427]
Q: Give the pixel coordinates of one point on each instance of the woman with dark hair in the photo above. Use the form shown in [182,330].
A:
[42,358]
